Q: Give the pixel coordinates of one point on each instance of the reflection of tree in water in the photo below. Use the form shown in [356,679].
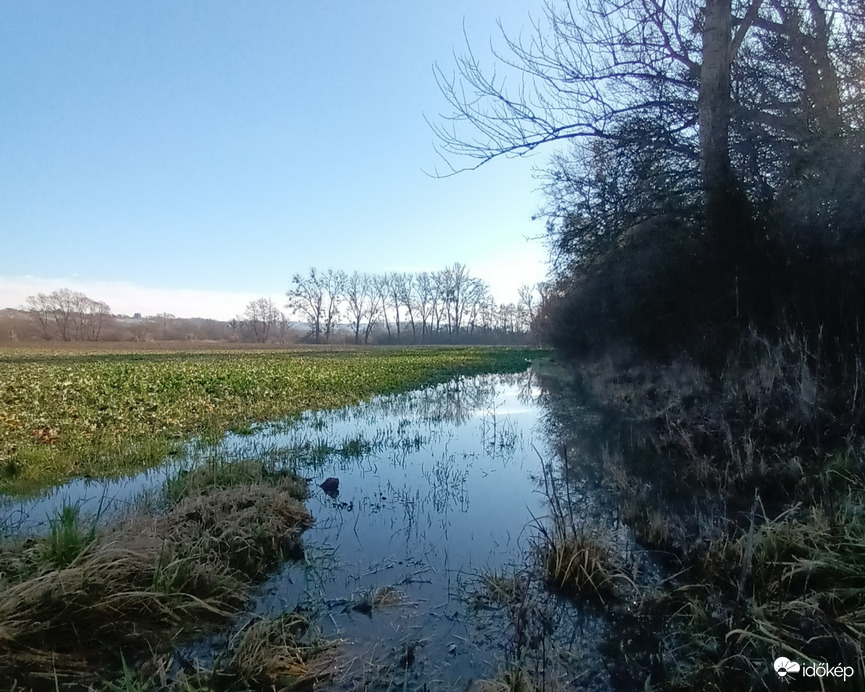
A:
[575,473]
[404,423]
[568,422]
[451,402]
[528,387]
[447,486]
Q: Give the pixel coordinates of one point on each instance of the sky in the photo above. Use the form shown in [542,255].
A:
[188,157]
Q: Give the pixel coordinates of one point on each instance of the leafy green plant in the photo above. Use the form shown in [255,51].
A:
[105,414]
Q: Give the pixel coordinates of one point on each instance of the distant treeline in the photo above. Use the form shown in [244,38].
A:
[439,306]
[445,306]
[24,325]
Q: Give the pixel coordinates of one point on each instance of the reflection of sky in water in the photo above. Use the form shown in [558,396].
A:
[448,495]
[435,487]
[94,497]
[433,413]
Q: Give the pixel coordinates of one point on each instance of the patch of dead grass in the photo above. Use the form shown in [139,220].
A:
[144,583]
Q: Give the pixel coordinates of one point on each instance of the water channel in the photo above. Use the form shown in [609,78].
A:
[439,490]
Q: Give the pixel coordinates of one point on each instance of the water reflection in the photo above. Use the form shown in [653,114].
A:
[407,423]
[419,496]
[444,489]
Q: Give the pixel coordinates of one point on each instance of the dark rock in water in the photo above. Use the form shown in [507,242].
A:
[364,606]
[292,549]
[331,486]
[408,658]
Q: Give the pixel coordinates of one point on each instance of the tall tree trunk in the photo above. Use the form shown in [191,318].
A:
[729,223]
[714,111]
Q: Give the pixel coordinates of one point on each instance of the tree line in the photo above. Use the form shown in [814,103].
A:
[398,307]
[68,315]
[322,306]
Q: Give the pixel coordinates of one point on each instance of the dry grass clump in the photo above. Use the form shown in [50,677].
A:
[579,565]
[283,653]
[790,585]
[143,583]
[246,527]
[218,474]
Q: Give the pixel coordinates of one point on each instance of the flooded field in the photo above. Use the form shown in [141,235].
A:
[428,508]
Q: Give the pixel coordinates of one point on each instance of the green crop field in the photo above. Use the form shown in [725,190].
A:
[106,413]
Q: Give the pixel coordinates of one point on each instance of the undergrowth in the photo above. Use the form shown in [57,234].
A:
[751,481]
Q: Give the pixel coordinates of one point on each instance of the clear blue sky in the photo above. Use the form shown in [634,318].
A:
[149,148]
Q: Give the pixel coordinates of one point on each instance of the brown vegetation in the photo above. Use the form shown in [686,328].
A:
[751,481]
[144,582]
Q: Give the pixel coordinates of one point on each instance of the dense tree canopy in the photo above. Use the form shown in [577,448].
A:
[706,150]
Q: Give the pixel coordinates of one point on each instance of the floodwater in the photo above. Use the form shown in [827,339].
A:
[437,488]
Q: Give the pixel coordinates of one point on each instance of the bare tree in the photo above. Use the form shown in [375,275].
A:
[408,297]
[333,283]
[316,297]
[39,307]
[70,314]
[424,292]
[374,311]
[64,302]
[382,287]
[359,294]
[394,295]
[456,283]
[92,316]
[260,317]
[307,298]
[476,294]
[527,301]
[438,301]
[670,79]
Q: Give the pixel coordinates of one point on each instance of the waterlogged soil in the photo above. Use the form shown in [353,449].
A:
[441,492]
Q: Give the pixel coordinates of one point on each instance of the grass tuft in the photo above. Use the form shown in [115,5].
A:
[283,653]
[578,565]
[69,536]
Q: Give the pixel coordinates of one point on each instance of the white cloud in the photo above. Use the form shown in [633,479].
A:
[127,298]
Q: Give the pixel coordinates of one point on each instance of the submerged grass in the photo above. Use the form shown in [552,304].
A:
[142,583]
[103,414]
